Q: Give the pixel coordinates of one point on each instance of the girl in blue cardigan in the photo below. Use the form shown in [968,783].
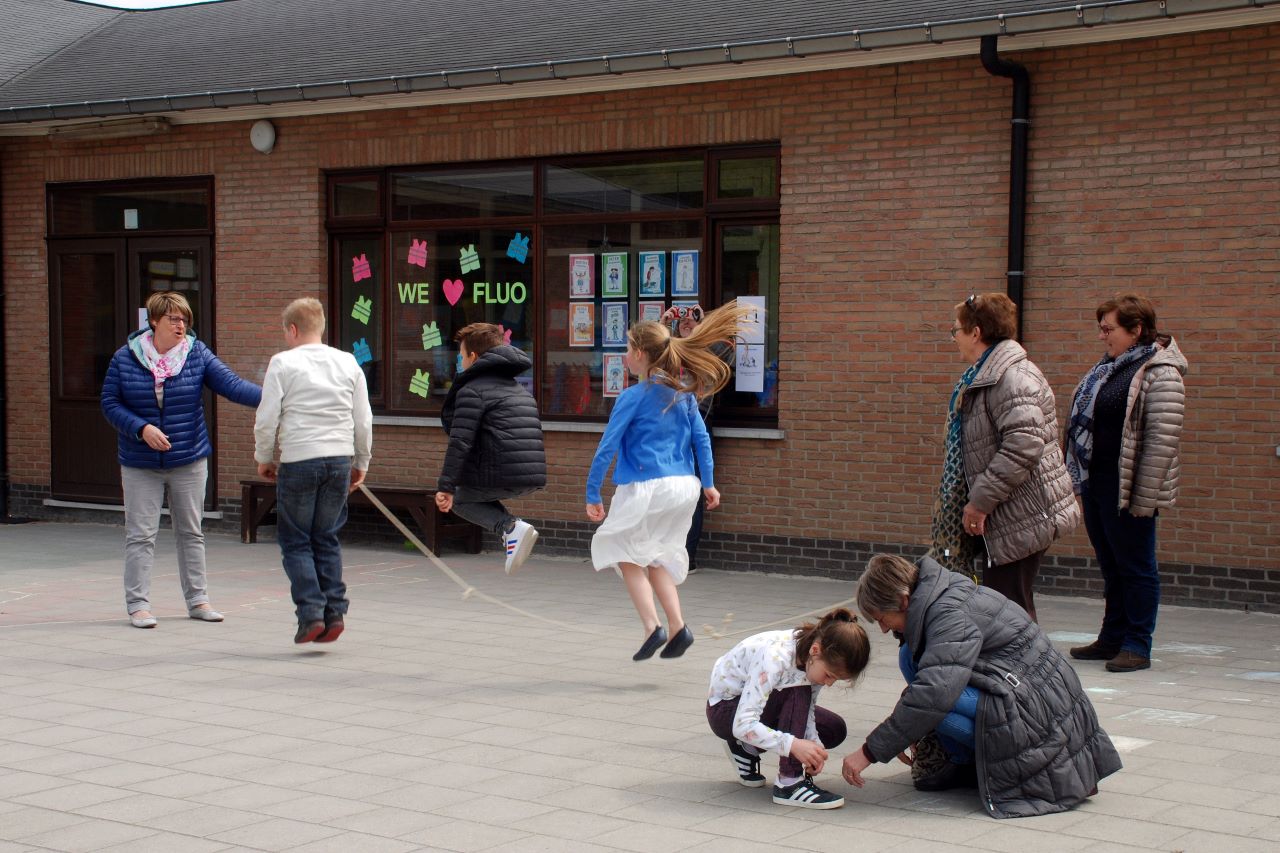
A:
[655,431]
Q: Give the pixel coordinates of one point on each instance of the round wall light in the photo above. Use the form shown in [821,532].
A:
[262,136]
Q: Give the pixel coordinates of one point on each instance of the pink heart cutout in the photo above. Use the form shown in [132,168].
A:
[453,290]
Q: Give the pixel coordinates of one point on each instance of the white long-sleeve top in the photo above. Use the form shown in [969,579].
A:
[316,398]
[752,670]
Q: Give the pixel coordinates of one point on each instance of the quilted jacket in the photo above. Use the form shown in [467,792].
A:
[1012,459]
[129,402]
[495,434]
[1039,748]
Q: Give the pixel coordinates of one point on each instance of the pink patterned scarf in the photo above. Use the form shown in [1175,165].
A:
[168,364]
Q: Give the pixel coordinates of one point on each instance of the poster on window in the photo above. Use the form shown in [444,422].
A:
[615,324]
[582,324]
[615,374]
[750,373]
[652,311]
[684,273]
[613,272]
[653,273]
[752,327]
[582,276]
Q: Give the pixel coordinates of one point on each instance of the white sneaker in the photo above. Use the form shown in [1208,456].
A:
[520,542]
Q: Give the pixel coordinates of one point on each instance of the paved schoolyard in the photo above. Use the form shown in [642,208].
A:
[438,723]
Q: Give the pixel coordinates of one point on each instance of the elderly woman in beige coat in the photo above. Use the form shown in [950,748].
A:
[1004,482]
[1123,436]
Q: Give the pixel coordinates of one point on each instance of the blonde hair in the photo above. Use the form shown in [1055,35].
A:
[888,577]
[305,313]
[160,304]
[689,364]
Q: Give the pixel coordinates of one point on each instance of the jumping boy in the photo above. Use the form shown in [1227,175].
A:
[495,440]
[315,396]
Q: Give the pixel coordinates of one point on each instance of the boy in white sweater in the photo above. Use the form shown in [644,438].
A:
[315,396]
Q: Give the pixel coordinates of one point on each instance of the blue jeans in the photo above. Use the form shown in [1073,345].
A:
[311,507]
[1126,549]
[956,729]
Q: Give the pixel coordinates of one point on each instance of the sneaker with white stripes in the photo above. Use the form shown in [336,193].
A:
[806,795]
[519,543]
[746,764]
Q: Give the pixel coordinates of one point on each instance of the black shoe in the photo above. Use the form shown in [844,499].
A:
[651,645]
[951,775]
[806,795]
[333,628]
[679,644]
[1094,651]
[746,764]
[308,631]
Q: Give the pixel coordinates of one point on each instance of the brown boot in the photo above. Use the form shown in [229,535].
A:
[1128,662]
[1094,651]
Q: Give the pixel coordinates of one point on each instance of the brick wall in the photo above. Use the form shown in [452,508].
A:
[1155,166]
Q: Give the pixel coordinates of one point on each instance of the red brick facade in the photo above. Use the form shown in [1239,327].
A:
[1155,166]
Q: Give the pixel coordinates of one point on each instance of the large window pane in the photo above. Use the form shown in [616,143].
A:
[462,193]
[755,177]
[361,307]
[627,187]
[94,210]
[442,281]
[573,380]
[355,198]
[749,267]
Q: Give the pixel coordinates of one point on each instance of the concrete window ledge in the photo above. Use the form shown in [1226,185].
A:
[572,426]
[112,507]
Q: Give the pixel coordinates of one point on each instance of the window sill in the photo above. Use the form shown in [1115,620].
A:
[764,434]
[112,507]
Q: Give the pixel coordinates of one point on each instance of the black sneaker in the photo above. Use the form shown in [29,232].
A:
[333,628]
[806,795]
[746,764]
[308,631]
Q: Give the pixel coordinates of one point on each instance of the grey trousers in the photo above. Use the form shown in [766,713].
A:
[144,490]
[483,506]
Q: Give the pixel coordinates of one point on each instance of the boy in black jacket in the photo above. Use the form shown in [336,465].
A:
[495,440]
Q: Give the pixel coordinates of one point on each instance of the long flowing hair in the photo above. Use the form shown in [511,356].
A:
[693,364]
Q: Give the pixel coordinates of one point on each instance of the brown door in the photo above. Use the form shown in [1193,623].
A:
[98,290]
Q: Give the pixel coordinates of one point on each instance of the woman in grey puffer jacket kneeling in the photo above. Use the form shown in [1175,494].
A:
[1006,705]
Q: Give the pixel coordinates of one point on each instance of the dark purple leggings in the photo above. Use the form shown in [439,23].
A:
[786,711]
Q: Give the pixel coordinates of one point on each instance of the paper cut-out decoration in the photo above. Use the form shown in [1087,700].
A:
[499,292]
[582,276]
[430,335]
[653,273]
[615,324]
[518,248]
[582,324]
[362,352]
[414,291]
[418,253]
[453,290]
[684,273]
[749,376]
[506,335]
[420,384]
[362,309]
[469,259]
[360,268]
[613,272]
[652,311]
[615,374]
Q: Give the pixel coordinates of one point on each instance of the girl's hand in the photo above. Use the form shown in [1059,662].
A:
[713,497]
[812,755]
[595,512]
[854,764]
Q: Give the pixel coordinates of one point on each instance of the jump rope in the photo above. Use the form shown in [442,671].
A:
[469,592]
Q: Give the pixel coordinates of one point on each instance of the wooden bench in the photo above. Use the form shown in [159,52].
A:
[258,500]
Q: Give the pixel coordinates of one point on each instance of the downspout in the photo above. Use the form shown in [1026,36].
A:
[1021,125]
[4,409]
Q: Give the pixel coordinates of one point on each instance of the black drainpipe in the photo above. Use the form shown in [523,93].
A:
[1021,121]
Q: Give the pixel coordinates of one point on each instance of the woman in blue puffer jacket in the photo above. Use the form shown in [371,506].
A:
[153,396]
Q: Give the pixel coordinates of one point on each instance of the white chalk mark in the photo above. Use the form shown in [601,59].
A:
[1069,637]
[1128,744]
[1192,649]
[1163,717]
[1259,676]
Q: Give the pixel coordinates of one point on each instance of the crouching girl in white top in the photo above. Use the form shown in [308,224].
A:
[764,695]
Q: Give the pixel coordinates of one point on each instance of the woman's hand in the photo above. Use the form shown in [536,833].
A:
[908,757]
[854,764]
[713,497]
[812,755]
[595,512]
[154,438]
[975,522]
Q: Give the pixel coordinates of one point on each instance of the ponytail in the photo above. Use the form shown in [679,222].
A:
[691,364]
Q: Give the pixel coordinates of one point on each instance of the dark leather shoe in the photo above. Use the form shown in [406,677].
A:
[679,644]
[951,775]
[333,628]
[1128,662]
[308,631]
[651,645]
[1095,651]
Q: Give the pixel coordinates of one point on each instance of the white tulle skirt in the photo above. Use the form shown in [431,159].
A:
[647,524]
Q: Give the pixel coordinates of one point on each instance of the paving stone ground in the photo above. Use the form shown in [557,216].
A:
[437,723]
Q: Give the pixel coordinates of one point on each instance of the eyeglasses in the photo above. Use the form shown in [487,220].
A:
[1105,329]
[176,319]
[955,330]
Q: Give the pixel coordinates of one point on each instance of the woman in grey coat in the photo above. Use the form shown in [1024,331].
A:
[974,663]
[1003,475]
